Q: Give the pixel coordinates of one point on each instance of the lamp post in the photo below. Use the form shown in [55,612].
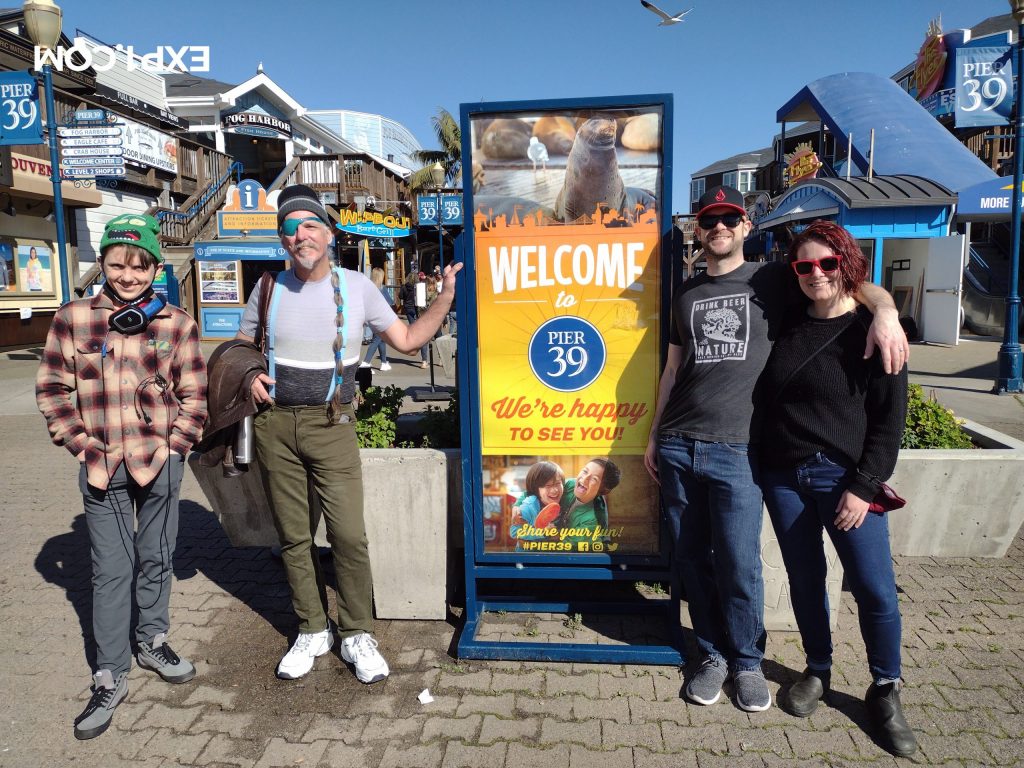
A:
[43,22]
[437,175]
[1008,378]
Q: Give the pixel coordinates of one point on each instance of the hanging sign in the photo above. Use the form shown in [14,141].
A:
[373,224]
[984,86]
[20,122]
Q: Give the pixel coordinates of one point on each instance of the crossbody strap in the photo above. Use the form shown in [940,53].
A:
[806,360]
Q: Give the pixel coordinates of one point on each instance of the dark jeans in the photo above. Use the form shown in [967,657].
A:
[801,502]
[714,509]
[131,526]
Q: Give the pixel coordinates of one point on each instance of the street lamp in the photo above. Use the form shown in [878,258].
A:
[1008,377]
[43,21]
[437,175]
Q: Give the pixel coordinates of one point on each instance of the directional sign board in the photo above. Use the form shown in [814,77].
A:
[88,172]
[91,150]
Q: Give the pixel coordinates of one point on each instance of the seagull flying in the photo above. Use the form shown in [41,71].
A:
[666,20]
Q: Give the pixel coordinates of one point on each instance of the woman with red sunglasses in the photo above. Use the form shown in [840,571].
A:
[835,421]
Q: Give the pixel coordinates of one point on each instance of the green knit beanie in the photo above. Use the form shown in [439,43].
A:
[133,229]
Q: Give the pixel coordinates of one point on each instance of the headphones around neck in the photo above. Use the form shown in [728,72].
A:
[136,315]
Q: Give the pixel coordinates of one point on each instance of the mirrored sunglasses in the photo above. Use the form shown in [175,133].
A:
[804,267]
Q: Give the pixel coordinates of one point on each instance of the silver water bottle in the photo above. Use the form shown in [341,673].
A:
[243,442]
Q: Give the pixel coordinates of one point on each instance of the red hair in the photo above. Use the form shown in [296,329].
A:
[853,267]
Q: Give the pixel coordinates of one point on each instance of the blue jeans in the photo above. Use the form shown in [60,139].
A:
[801,502]
[376,344]
[714,509]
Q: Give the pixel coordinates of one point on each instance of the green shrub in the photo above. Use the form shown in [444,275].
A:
[377,417]
[441,428]
[931,425]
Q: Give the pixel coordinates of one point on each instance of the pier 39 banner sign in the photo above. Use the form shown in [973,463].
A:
[569,216]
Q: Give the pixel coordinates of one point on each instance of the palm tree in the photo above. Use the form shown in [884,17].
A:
[449,136]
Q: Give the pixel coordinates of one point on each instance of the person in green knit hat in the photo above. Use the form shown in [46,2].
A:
[122,385]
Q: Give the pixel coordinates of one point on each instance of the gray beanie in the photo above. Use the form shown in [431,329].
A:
[299,197]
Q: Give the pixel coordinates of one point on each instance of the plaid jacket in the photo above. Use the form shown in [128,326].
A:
[142,397]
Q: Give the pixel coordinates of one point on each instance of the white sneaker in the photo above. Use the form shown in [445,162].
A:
[364,364]
[299,659]
[385,366]
[361,651]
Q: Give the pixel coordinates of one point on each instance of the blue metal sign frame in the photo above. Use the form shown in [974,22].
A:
[517,570]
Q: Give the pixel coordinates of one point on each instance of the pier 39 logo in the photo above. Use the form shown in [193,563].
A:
[567,353]
[721,328]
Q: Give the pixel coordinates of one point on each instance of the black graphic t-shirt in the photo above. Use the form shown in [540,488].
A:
[725,325]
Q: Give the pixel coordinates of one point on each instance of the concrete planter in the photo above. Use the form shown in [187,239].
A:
[960,503]
[963,503]
[405,501]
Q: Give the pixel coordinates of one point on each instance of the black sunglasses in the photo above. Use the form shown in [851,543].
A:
[710,221]
[804,267]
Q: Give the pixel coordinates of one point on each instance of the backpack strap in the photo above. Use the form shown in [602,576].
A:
[266,285]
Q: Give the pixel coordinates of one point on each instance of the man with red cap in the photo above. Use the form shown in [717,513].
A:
[723,324]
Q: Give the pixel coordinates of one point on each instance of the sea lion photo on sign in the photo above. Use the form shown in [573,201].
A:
[591,173]
[556,133]
[506,139]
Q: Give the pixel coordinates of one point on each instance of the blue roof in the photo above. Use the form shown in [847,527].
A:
[908,140]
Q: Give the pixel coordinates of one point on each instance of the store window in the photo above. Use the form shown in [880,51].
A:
[741,180]
[26,267]
[696,190]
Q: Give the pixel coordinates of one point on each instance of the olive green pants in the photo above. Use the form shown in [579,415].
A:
[299,449]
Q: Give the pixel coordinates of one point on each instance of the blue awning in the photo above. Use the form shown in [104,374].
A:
[991,200]
[908,140]
[816,206]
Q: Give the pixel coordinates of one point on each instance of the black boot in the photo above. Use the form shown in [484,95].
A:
[886,715]
[803,696]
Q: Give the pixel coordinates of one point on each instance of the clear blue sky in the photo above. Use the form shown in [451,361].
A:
[730,66]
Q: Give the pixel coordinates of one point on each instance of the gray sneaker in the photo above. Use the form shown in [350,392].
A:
[706,684]
[751,690]
[159,657]
[107,693]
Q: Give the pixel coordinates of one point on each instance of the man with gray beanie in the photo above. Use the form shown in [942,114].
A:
[306,431]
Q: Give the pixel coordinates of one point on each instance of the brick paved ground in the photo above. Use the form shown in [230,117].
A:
[963,662]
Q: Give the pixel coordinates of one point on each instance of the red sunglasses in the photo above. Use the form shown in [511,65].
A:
[804,267]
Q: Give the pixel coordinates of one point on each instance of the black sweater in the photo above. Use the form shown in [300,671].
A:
[837,403]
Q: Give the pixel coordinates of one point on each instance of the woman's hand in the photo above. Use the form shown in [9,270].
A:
[850,512]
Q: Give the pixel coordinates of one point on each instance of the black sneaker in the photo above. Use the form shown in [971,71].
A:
[107,693]
[886,714]
[159,657]
[803,696]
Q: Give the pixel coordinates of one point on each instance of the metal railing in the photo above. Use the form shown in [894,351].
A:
[344,175]
[181,227]
[978,271]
